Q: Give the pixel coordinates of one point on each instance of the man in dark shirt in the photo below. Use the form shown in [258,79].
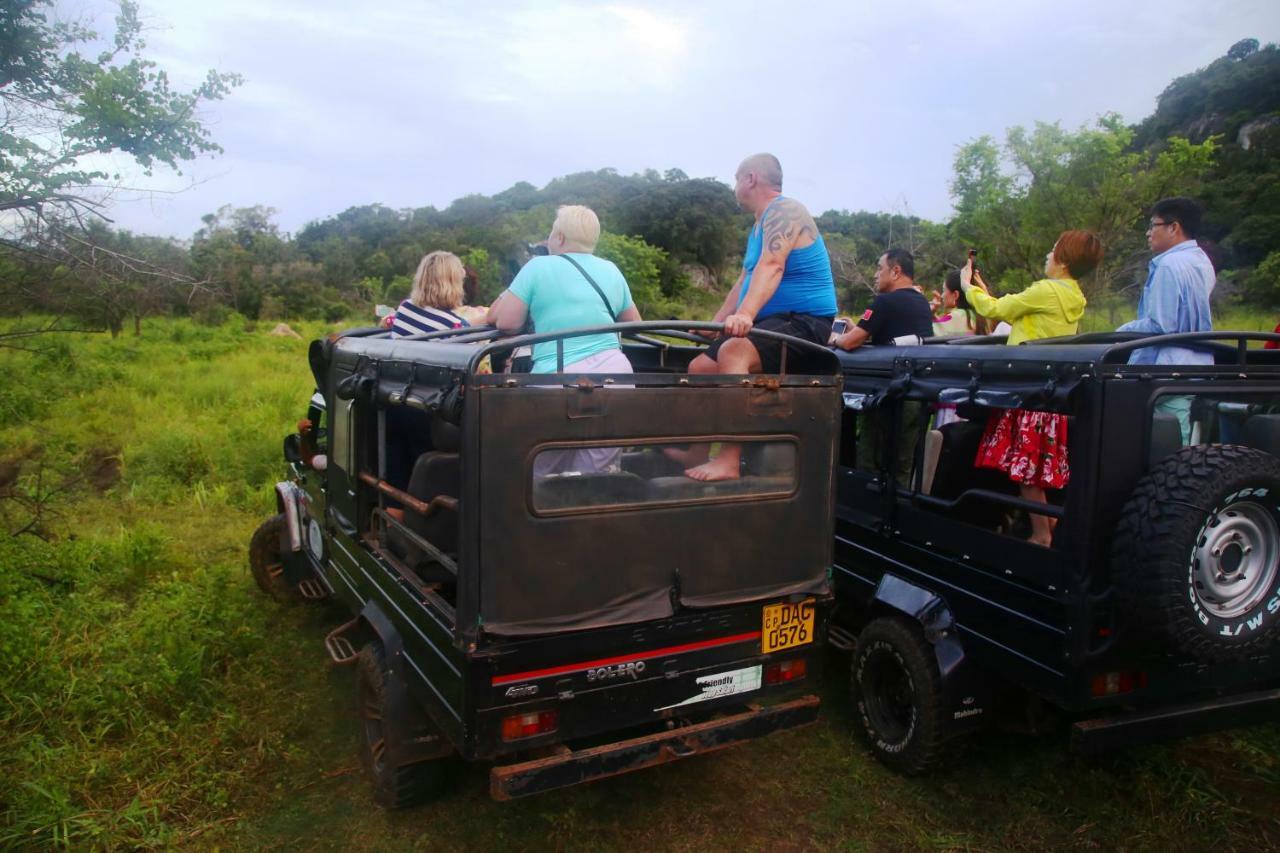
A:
[898,309]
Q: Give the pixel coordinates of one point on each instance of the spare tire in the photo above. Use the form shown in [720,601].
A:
[1196,555]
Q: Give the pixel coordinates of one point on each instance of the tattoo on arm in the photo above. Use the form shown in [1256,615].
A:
[787,225]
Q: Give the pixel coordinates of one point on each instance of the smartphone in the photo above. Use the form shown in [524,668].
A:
[839,327]
[973,259]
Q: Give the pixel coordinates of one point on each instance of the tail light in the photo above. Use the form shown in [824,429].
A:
[1117,683]
[784,671]
[527,725]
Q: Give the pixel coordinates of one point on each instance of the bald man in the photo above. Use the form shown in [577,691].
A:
[785,286]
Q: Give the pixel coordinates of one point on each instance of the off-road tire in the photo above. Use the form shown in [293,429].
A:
[1194,557]
[265,563]
[395,786]
[897,696]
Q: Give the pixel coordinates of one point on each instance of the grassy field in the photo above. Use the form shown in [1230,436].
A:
[151,697]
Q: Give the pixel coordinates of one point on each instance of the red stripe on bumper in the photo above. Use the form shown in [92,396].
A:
[533,674]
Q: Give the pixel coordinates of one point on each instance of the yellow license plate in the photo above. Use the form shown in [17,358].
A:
[786,625]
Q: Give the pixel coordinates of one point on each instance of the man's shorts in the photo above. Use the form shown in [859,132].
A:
[804,326]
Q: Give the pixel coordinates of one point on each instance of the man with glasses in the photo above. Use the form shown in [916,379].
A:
[1175,297]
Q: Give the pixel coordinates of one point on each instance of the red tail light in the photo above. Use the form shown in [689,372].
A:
[785,670]
[1117,683]
[527,725]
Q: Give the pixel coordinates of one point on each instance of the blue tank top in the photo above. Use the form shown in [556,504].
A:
[807,286]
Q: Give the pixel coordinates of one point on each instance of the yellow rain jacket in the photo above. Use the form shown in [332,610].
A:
[1047,309]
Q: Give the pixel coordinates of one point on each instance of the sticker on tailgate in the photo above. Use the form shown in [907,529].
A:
[722,684]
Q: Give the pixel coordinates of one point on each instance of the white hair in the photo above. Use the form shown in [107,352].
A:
[579,226]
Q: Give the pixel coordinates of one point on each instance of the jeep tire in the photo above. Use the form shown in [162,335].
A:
[1196,555]
[897,696]
[396,785]
[265,561]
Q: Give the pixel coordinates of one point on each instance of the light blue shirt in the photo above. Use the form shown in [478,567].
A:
[1175,299]
[560,298]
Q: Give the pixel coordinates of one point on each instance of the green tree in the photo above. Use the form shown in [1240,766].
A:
[641,265]
[61,106]
[1013,202]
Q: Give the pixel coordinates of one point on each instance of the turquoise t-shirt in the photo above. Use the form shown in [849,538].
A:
[559,298]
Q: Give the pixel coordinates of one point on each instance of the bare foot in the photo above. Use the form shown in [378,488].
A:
[696,455]
[1042,541]
[719,468]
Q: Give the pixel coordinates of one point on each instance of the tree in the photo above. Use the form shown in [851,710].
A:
[641,265]
[1243,48]
[1012,203]
[61,107]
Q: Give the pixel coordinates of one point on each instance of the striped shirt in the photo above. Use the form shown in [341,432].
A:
[411,319]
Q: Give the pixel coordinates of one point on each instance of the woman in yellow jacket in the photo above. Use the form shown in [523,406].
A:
[1031,447]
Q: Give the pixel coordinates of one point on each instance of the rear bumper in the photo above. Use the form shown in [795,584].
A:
[573,767]
[1090,737]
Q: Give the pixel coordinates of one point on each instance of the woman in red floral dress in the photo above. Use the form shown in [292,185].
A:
[1031,447]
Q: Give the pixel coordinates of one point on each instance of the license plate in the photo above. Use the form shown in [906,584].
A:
[786,625]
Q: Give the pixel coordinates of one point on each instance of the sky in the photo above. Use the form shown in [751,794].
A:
[410,103]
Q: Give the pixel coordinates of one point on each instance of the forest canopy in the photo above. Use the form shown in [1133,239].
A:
[1215,134]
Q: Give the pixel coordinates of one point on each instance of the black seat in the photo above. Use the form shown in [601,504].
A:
[1263,432]
[435,473]
[1166,436]
[573,490]
[956,474]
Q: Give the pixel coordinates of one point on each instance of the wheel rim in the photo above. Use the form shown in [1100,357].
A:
[889,698]
[1236,559]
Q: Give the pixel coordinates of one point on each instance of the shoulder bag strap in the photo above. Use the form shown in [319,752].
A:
[591,281]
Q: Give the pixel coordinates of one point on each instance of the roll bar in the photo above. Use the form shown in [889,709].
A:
[679,329]
[1111,355]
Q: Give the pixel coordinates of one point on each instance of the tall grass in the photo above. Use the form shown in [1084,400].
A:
[150,697]
[129,634]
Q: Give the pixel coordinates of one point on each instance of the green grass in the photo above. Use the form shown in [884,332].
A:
[151,697]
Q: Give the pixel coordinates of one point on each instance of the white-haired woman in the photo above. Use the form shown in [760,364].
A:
[567,289]
[437,293]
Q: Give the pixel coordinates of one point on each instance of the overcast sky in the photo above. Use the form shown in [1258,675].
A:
[412,102]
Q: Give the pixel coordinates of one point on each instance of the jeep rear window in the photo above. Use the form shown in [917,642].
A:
[585,477]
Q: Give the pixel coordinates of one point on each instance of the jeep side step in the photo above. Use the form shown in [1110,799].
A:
[571,767]
[312,589]
[1091,737]
[340,649]
[841,638]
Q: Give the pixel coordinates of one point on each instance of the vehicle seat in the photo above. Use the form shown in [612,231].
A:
[1166,437]
[933,441]
[956,473]
[649,464]
[563,491]
[436,472]
[1263,432]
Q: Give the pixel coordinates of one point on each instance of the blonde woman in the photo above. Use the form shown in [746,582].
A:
[437,294]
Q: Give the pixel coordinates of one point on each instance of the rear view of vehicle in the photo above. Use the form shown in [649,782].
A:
[552,593]
[1155,610]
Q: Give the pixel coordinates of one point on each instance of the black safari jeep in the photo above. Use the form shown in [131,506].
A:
[533,581]
[1156,611]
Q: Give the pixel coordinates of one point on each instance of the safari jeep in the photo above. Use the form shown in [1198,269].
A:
[546,592]
[1156,611]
